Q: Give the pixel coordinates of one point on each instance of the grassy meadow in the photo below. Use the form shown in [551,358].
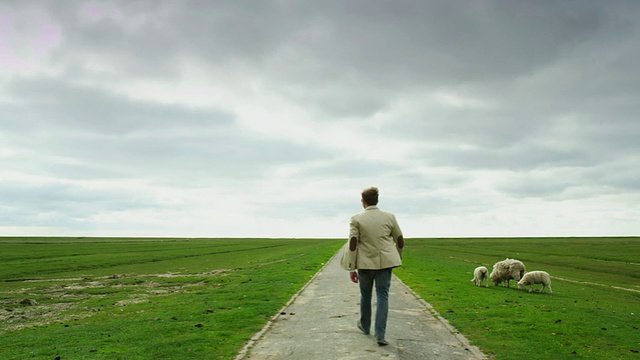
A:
[139,298]
[593,313]
[136,298]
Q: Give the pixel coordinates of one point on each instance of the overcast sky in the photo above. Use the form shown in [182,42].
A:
[268,118]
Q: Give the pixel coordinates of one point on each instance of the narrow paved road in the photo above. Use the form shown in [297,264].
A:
[320,323]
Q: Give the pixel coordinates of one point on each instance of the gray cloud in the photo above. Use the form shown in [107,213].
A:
[110,135]
[336,45]
[63,205]
[522,157]
[469,108]
[56,105]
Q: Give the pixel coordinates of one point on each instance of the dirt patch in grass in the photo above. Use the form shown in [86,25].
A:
[37,315]
[40,306]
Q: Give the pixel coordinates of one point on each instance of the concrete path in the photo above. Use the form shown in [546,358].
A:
[320,323]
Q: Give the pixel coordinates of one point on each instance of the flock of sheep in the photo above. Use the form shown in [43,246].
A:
[511,269]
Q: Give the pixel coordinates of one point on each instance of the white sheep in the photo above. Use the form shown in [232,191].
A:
[480,274]
[535,277]
[506,270]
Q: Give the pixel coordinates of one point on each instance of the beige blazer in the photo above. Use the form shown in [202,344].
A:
[376,232]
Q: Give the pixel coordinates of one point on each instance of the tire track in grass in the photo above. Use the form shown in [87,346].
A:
[139,262]
[89,252]
[593,283]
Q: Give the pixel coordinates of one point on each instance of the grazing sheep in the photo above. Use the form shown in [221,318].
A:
[506,270]
[480,274]
[535,277]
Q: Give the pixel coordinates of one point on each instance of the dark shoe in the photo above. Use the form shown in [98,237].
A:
[362,328]
[382,342]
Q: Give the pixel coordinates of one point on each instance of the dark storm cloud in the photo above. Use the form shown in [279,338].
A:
[148,37]
[435,45]
[455,42]
[336,44]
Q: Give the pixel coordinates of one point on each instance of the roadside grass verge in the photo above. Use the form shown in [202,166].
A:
[146,298]
[594,311]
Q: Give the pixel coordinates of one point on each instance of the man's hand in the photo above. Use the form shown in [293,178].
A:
[353,276]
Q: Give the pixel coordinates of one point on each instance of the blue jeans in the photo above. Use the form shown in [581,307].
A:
[382,280]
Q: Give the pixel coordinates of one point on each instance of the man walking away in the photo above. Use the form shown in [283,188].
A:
[375,248]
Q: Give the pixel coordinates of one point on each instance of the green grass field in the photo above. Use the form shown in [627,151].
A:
[594,312]
[146,298]
[118,298]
